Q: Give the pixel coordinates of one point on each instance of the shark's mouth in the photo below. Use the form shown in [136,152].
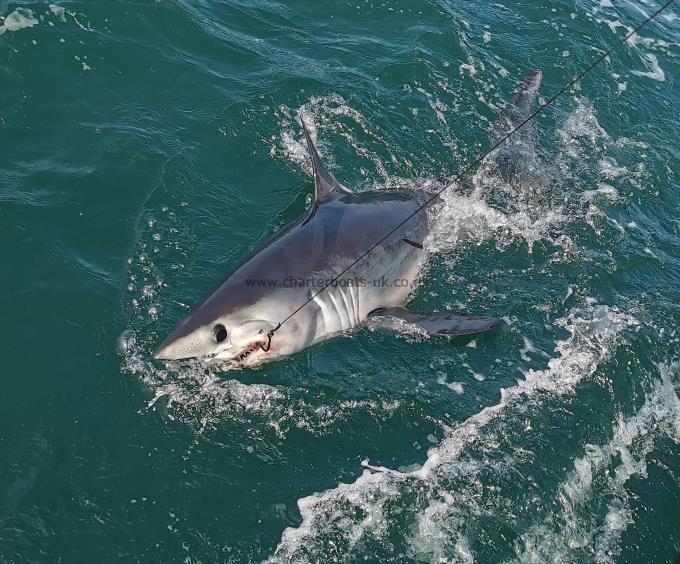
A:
[242,357]
[238,360]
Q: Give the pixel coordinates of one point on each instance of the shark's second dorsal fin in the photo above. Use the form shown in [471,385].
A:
[325,183]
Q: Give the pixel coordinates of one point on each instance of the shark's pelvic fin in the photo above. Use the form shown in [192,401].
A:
[325,183]
[435,323]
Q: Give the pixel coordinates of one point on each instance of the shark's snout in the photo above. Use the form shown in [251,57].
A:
[161,353]
[166,351]
[177,346]
[209,345]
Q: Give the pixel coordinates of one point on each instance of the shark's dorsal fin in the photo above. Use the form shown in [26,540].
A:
[325,184]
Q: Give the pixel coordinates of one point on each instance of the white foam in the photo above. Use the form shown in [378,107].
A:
[581,130]
[470,218]
[58,11]
[438,107]
[650,61]
[604,191]
[201,396]
[655,72]
[467,68]
[319,112]
[434,539]
[529,347]
[336,520]
[476,375]
[610,169]
[455,387]
[20,18]
[599,478]
[195,394]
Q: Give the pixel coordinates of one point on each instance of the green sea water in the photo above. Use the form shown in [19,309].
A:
[147,146]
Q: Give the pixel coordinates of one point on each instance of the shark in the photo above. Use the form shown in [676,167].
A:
[316,279]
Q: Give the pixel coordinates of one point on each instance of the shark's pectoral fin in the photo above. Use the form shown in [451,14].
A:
[435,323]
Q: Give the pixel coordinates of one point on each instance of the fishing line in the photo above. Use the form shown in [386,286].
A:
[465,169]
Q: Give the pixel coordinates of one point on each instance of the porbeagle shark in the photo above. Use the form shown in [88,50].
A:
[233,325]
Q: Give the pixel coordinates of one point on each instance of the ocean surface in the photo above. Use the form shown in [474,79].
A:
[147,146]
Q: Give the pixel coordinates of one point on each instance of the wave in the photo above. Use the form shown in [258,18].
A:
[352,516]
[593,503]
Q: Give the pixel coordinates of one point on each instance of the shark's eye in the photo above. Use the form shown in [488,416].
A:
[219,332]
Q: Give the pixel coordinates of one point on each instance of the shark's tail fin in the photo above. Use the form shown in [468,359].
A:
[526,93]
[520,107]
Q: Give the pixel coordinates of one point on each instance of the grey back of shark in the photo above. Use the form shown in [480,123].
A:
[287,278]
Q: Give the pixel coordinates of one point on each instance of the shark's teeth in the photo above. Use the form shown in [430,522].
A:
[247,352]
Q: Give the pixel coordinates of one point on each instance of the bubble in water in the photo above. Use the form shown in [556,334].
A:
[154,311]
[127,341]
[148,291]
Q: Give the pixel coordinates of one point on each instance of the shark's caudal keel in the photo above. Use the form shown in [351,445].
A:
[286,279]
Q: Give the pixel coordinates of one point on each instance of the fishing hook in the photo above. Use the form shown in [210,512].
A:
[270,334]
